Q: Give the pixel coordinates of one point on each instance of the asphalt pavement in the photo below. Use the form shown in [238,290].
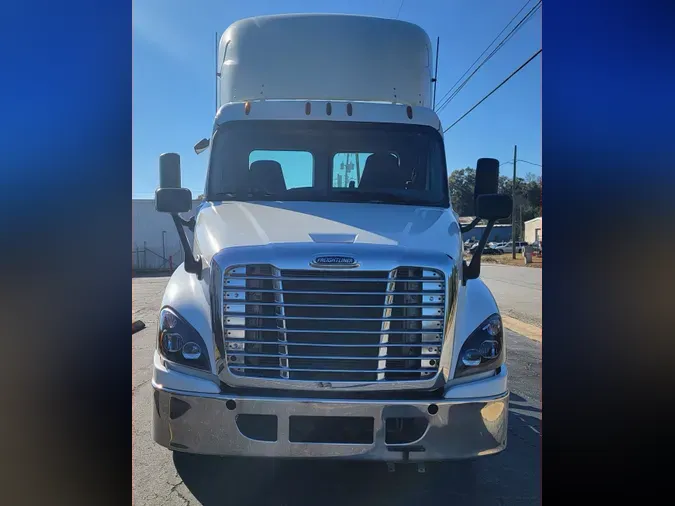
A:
[516,289]
[160,477]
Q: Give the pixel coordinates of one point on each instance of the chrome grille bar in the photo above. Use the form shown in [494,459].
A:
[317,357]
[230,294]
[229,316]
[295,369]
[341,280]
[231,305]
[317,345]
[310,331]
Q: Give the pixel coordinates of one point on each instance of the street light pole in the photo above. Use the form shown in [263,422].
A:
[513,204]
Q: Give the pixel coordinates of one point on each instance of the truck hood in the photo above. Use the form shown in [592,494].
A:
[229,224]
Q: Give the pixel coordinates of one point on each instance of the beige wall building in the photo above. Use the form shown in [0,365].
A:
[533,230]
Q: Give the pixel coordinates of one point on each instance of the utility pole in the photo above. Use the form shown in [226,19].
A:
[358,169]
[217,73]
[347,171]
[435,79]
[513,204]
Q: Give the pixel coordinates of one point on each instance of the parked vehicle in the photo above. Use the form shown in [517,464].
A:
[470,244]
[507,247]
[474,247]
[325,311]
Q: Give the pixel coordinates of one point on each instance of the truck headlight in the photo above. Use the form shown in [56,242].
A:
[179,342]
[483,350]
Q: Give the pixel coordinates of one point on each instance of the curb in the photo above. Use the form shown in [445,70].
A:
[530,331]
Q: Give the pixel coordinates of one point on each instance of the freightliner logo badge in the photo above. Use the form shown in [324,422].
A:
[334,261]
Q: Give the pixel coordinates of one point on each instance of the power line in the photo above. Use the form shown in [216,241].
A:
[486,50]
[499,86]
[519,160]
[503,42]
[399,8]
[508,37]
[531,163]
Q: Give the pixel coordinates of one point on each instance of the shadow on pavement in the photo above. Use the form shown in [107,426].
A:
[512,477]
[518,402]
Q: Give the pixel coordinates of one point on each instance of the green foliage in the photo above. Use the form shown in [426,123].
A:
[461,184]
[527,196]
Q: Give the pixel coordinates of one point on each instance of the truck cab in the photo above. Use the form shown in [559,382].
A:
[325,308]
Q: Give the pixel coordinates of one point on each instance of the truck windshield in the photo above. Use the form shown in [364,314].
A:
[327,161]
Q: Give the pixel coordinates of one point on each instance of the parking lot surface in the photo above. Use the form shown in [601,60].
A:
[517,290]
[160,477]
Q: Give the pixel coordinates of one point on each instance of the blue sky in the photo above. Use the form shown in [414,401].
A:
[173,77]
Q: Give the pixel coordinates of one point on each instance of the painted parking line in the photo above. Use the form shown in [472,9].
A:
[522,328]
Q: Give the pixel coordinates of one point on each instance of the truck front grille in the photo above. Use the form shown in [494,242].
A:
[349,325]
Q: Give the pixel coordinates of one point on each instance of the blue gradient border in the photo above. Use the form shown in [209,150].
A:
[66,214]
[609,166]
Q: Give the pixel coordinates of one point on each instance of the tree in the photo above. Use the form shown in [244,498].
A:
[527,195]
[461,184]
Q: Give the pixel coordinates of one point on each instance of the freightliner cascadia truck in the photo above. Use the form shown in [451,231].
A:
[325,308]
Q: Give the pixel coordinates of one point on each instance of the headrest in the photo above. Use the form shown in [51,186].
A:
[267,175]
[382,170]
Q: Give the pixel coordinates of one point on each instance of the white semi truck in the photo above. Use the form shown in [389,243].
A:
[324,309]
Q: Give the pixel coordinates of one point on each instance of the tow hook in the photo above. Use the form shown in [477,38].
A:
[421,467]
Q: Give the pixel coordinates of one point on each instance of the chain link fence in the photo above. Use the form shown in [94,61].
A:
[155,260]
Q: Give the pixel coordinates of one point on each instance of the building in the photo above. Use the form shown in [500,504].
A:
[533,230]
[499,233]
[155,244]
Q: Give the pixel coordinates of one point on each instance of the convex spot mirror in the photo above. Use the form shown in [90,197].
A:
[173,200]
[202,145]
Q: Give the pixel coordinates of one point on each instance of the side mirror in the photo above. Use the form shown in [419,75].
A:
[488,205]
[493,207]
[202,145]
[487,177]
[170,197]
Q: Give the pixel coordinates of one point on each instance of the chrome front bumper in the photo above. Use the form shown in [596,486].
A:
[207,424]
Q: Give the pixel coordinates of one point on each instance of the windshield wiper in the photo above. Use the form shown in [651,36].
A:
[243,195]
[373,196]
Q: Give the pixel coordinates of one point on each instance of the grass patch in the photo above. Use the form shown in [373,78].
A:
[506,259]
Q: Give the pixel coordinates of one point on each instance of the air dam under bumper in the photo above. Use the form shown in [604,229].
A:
[210,424]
